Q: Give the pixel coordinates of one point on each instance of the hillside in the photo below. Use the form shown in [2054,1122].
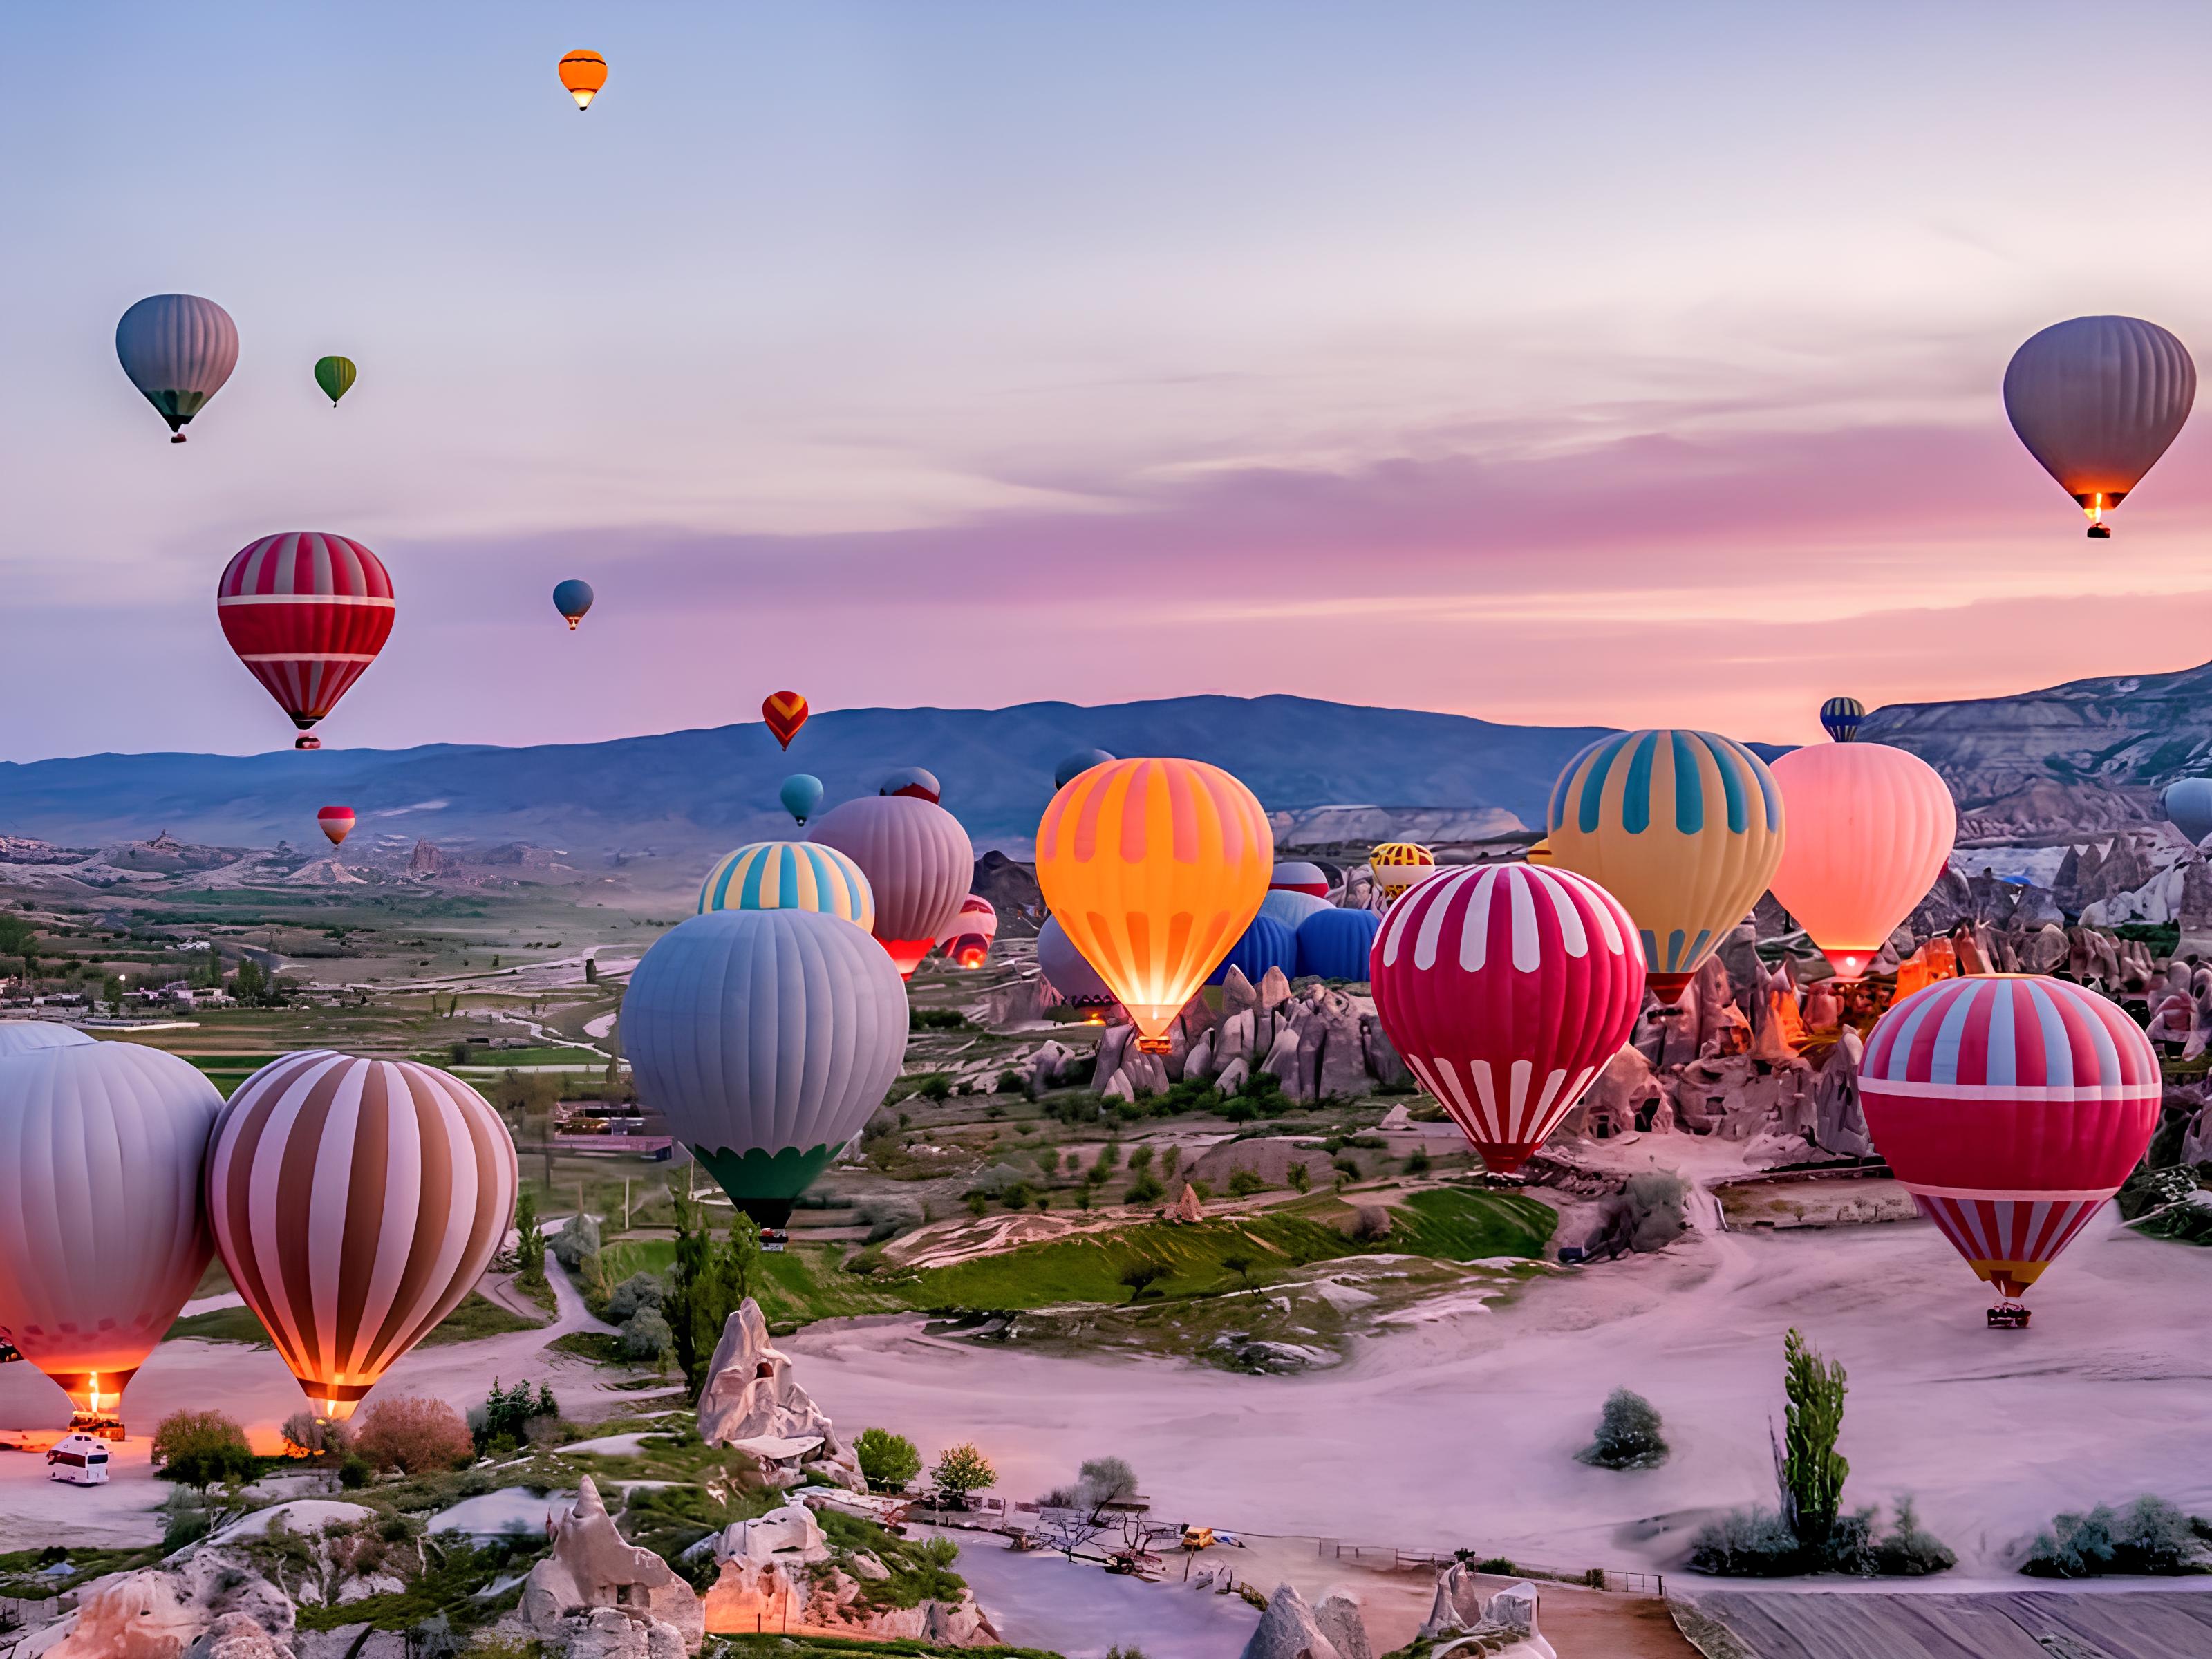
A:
[683,792]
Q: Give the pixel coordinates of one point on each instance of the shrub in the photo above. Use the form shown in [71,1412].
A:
[1370,1223]
[865,1261]
[1299,1174]
[1243,1183]
[576,1241]
[2149,1189]
[1652,1209]
[646,1336]
[977,1204]
[1170,1161]
[2152,1536]
[203,1449]
[1628,1436]
[1141,1159]
[639,1289]
[1140,1277]
[1013,1083]
[1416,1161]
[936,1087]
[887,1461]
[415,1435]
[1908,1552]
[354,1473]
[1747,1544]
[1145,1189]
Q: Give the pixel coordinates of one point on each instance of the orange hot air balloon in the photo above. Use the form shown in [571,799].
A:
[1154,869]
[785,712]
[1870,828]
[337,824]
[583,73]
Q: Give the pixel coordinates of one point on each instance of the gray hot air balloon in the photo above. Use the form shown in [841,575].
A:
[1075,765]
[27,1036]
[177,349]
[102,1236]
[2188,804]
[917,860]
[1068,970]
[766,1038]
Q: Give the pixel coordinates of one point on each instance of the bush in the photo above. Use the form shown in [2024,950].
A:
[887,1461]
[639,1289]
[1652,1209]
[414,1435]
[354,1473]
[960,1471]
[200,1449]
[1243,1183]
[1908,1552]
[2152,1536]
[1145,1189]
[578,1240]
[1141,1276]
[1416,1161]
[1628,1436]
[1012,1082]
[1747,1544]
[865,1261]
[1370,1223]
[936,1087]
[645,1335]
[307,1435]
[978,1205]
[2149,1189]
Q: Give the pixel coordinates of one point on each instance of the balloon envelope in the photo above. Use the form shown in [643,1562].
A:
[1397,864]
[2011,1107]
[27,1036]
[2096,400]
[573,599]
[354,1203]
[967,938]
[785,711]
[1291,908]
[917,861]
[178,349]
[1075,765]
[1871,829]
[800,794]
[583,73]
[1067,971]
[1265,943]
[1299,877]
[1507,987]
[1334,943]
[335,376]
[102,1237]
[790,875]
[1684,827]
[337,823]
[914,780]
[766,1038]
[307,613]
[2188,803]
[1841,717]
[1155,867]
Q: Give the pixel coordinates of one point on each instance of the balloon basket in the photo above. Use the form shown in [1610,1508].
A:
[2008,1316]
[98,1424]
[176,437]
[1154,1046]
[2097,533]
[306,743]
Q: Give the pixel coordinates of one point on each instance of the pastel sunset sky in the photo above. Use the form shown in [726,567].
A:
[1558,363]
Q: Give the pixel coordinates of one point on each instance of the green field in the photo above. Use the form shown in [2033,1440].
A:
[475,1318]
[804,1282]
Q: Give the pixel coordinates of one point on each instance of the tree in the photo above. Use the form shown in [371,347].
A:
[1628,1436]
[203,1451]
[578,1239]
[1141,1276]
[645,1334]
[1145,1189]
[415,1435]
[960,1472]
[1299,1174]
[307,1435]
[250,985]
[590,971]
[1243,1183]
[529,1242]
[1241,1265]
[887,1461]
[1811,1471]
[707,1282]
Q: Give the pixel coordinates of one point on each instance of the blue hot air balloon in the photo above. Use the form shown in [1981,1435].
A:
[1334,943]
[1266,944]
[1075,765]
[1291,908]
[572,599]
[800,794]
[178,349]
[915,781]
[2189,807]
[1841,716]
[766,1038]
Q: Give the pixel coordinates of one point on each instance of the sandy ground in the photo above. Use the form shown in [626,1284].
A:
[1462,1432]
[251,1385]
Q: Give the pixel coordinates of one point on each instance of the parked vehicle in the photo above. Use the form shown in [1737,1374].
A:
[78,1460]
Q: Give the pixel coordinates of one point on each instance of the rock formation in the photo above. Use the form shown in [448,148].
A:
[1288,1630]
[159,1612]
[751,1395]
[779,1569]
[592,1572]
[1508,1617]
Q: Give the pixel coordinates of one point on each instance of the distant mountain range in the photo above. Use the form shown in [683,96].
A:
[685,793]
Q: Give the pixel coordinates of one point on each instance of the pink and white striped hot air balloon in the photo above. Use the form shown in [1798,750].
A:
[1507,987]
[967,937]
[307,613]
[2011,1107]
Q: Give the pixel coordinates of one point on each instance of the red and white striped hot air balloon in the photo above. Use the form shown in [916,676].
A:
[2011,1106]
[356,1202]
[337,823]
[1507,987]
[306,614]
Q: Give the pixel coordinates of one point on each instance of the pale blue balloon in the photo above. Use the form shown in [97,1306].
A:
[2189,806]
[800,794]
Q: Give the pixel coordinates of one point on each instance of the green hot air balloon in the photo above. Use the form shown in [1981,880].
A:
[335,375]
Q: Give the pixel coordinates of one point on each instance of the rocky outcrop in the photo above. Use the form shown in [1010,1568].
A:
[592,1571]
[779,1569]
[238,1636]
[160,1613]
[1345,1626]
[1288,1630]
[751,1394]
[1508,1617]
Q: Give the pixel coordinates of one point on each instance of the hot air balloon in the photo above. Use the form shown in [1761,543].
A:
[1265,943]
[583,73]
[1291,908]
[337,823]
[766,1038]
[178,349]
[2096,400]
[1155,868]
[913,781]
[2188,803]
[1067,971]
[1397,864]
[573,599]
[1075,765]
[356,1202]
[785,712]
[1333,944]
[307,613]
[1507,987]
[335,376]
[967,938]
[2011,1107]
[1299,877]
[102,1238]
[918,862]
[800,794]
[1840,717]
[1684,827]
[29,1036]
[790,875]
[1871,829]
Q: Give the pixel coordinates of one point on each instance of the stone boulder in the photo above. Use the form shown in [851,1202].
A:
[779,1570]
[1288,1630]
[1384,1063]
[238,1636]
[616,1634]
[752,1394]
[1344,1624]
[159,1612]
[592,1570]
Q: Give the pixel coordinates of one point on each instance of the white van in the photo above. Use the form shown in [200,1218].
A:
[79,1459]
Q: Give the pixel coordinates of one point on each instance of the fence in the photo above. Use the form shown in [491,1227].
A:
[1392,1557]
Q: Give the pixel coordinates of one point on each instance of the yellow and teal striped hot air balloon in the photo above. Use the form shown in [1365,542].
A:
[1684,827]
[790,875]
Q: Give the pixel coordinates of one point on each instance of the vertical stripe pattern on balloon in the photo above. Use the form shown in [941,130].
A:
[790,875]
